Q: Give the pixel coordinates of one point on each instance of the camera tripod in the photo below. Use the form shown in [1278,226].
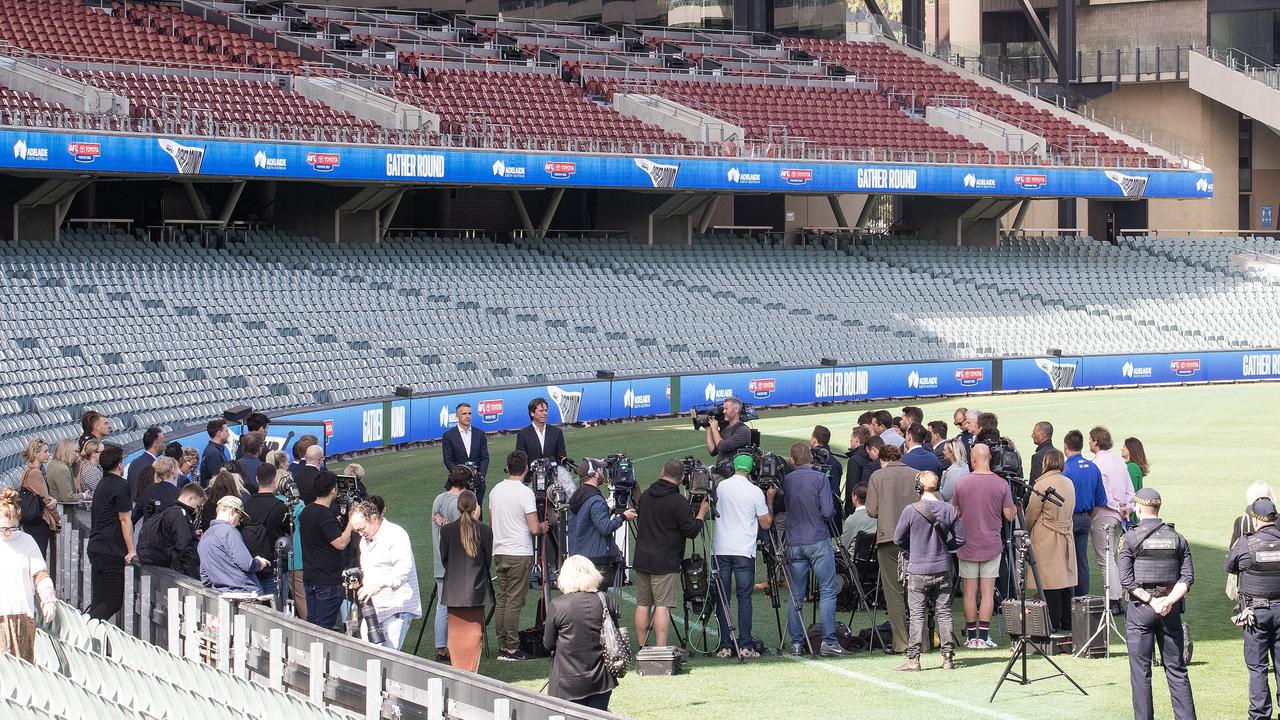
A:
[711,603]
[1107,624]
[1022,545]
[779,573]
[863,601]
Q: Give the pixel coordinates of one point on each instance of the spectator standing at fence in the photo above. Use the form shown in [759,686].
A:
[96,426]
[573,631]
[24,573]
[466,549]
[110,545]
[226,564]
[61,473]
[152,448]
[40,528]
[90,467]
[169,539]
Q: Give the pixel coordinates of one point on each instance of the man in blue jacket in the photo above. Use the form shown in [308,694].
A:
[918,455]
[592,525]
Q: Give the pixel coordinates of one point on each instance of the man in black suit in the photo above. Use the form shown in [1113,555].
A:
[540,440]
[152,447]
[463,443]
[305,477]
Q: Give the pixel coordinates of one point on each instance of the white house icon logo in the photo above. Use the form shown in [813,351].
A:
[629,399]
[913,380]
[1202,185]
[970,180]
[444,416]
[710,393]
[734,175]
[260,160]
[20,150]
[499,168]
[1126,370]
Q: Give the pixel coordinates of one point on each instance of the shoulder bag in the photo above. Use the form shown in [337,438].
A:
[617,647]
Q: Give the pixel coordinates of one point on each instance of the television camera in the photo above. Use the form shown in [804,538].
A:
[705,413]
[352,581]
[621,476]
[477,480]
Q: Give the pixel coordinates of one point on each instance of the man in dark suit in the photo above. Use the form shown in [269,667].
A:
[1042,436]
[305,477]
[462,444]
[938,438]
[540,440]
[152,446]
[919,456]
[215,453]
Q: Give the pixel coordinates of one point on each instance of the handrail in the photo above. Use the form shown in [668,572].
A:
[1245,64]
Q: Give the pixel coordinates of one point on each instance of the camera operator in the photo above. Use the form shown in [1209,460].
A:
[820,442]
[661,531]
[444,510]
[324,544]
[390,574]
[809,513]
[226,565]
[268,511]
[742,511]
[462,444]
[168,540]
[513,516]
[928,532]
[540,440]
[592,526]
[725,442]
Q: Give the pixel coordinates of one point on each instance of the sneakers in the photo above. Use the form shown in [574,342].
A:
[911,665]
[442,656]
[724,653]
[989,644]
[975,644]
[799,649]
[748,653]
[948,662]
[828,650]
[513,655]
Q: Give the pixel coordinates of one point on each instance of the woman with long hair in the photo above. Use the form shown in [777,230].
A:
[36,455]
[466,550]
[90,470]
[957,454]
[572,629]
[62,473]
[222,485]
[1135,458]
[1052,542]
[23,573]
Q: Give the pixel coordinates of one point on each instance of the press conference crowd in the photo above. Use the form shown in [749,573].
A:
[933,507]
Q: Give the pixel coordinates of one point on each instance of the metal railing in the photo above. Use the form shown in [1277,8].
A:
[1131,64]
[1246,64]
[327,668]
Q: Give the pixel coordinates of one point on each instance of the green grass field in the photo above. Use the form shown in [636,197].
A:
[1205,444]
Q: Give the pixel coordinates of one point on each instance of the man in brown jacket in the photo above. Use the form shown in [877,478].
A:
[892,489]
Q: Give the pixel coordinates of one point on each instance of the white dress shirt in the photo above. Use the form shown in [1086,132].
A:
[387,560]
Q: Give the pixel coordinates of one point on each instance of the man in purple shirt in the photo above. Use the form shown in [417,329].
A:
[983,503]
[1108,520]
[809,512]
[922,532]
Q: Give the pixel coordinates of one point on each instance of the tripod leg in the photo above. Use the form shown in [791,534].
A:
[1018,649]
[431,605]
[1061,672]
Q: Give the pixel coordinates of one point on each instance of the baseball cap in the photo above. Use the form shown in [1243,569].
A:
[232,501]
[743,463]
[590,467]
[1263,509]
[1148,497]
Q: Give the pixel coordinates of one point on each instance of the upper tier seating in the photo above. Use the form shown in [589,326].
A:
[338,323]
[132,31]
[896,71]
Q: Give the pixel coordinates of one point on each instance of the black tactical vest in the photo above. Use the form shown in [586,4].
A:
[1262,579]
[1156,560]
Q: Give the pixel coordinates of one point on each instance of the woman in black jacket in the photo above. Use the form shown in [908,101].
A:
[466,550]
[572,630]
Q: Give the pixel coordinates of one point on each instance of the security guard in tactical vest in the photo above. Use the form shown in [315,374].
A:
[1256,559]
[1155,572]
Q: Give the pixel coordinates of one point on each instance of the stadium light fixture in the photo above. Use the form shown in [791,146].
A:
[830,362]
[605,374]
[404,391]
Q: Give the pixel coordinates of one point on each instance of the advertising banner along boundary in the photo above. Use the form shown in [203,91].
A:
[385,422]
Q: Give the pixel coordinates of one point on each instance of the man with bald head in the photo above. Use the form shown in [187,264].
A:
[1042,436]
[305,477]
[983,503]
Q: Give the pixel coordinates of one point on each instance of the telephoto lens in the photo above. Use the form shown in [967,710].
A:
[372,628]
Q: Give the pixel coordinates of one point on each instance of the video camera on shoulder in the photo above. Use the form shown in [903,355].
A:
[621,476]
[705,413]
[477,479]
[549,479]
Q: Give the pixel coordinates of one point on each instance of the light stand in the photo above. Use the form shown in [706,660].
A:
[1108,619]
[1022,543]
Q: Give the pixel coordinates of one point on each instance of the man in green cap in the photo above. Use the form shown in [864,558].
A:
[742,511]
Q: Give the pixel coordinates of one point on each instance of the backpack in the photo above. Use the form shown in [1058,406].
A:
[255,535]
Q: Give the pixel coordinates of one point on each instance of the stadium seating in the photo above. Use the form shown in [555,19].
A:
[280,321]
[898,72]
[131,31]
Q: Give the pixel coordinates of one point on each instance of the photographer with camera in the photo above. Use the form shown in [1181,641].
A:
[820,444]
[592,526]
[324,544]
[513,516]
[724,442]
[661,531]
[226,565]
[742,511]
[928,532]
[390,581]
[810,509]
[463,444]
[268,521]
